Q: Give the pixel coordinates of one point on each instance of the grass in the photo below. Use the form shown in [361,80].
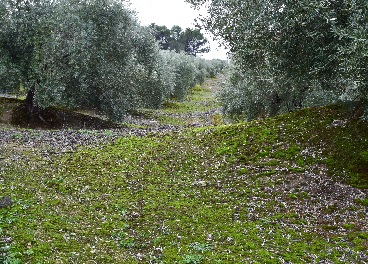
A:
[161,119]
[173,112]
[222,194]
[208,195]
[187,107]
[200,98]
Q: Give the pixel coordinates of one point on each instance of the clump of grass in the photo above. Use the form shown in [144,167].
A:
[330,228]
[349,226]
[191,259]
[363,202]
[217,119]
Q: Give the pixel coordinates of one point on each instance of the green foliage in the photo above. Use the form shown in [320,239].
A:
[180,72]
[246,97]
[89,53]
[195,42]
[191,259]
[11,259]
[349,226]
[363,202]
[201,247]
[190,41]
[291,54]
[188,197]
[93,53]
[80,53]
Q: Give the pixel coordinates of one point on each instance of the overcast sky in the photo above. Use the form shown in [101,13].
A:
[170,13]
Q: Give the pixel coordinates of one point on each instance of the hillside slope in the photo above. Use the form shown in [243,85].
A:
[271,191]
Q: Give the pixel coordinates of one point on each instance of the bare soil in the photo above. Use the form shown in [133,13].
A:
[13,115]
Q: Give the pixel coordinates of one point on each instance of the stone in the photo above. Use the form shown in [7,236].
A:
[200,183]
[5,202]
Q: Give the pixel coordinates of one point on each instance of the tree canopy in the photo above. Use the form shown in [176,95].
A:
[92,53]
[295,48]
[191,41]
[78,53]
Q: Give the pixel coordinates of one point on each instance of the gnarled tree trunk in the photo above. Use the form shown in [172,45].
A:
[31,108]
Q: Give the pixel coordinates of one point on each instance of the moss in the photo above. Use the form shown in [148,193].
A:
[363,202]
[171,105]
[349,226]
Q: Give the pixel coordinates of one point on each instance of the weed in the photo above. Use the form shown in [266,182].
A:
[11,259]
[108,132]
[201,247]
[217,119]
[86,131]
[17,136]
[292,196]
[191,259]
[330,228]
[362,202]
[363,235]
[348,226]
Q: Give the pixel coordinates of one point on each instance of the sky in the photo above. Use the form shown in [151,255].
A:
[174,12]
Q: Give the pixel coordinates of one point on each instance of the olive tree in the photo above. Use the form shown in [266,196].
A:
[185,72]
[291,49]
[246,97]
[78,53]
[180,72]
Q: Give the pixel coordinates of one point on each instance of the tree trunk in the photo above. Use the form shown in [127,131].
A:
[32,109]
[275,104]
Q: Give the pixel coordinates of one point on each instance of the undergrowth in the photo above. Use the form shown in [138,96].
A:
[221,194]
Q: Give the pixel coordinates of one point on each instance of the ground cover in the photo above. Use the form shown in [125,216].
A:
[290,189]
[200,108]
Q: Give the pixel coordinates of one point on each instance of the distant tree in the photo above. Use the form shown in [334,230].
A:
[195,42]
[191,41]
[176,39]
[162,35]
[181,72]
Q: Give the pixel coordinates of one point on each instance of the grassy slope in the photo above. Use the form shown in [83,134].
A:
[209,195]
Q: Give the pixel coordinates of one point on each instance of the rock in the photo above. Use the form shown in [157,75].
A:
[337,123]
[135,214]
[200,183]
[5,202]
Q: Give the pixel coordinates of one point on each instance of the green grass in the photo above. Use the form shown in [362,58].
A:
[189,197]
[188,106]
[161,119]
[200,98]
